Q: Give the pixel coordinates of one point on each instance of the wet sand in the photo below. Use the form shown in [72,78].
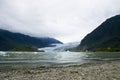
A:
[109,70]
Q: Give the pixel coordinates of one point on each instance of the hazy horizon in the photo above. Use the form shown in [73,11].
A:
[65,20]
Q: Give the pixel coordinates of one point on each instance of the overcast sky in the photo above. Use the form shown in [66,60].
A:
[65,20]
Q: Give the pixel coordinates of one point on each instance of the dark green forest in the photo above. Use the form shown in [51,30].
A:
[10,41]
[105,37]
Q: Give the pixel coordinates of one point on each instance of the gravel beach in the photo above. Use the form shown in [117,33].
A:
[109,70]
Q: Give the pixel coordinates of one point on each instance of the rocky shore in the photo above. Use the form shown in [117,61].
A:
[109,70]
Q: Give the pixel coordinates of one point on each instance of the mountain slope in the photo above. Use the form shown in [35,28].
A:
[107,35]
[10,40]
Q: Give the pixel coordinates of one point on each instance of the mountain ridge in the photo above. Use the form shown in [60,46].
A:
[107,35]
[10,40]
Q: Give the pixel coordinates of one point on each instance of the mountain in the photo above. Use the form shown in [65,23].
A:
[104,37]
[10,40]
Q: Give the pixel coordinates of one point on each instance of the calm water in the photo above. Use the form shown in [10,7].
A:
[33,59]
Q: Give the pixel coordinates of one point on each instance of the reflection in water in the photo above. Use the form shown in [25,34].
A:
[46,58]
[69,57]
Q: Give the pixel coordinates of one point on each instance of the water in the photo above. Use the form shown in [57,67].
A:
[37,59]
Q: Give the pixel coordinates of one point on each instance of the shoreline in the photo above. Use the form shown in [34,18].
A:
[107,70]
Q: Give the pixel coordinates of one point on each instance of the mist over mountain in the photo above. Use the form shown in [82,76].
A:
[10,40]
[107,35]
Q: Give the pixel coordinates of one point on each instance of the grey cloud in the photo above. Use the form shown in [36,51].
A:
[67,20]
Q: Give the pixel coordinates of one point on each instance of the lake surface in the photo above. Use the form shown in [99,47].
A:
[37,59]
